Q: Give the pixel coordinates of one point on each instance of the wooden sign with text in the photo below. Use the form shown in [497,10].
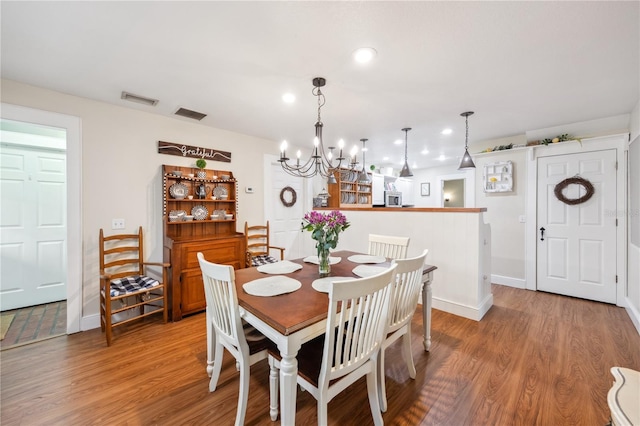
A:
[181,150]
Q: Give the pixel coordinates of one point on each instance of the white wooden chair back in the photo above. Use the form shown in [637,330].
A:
[222,305]
[406,290]
[356,324]
[388,246]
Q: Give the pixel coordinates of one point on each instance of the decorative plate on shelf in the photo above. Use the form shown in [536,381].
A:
[220,191]
[178,190]
[199,212]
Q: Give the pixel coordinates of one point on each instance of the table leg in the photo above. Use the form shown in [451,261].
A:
[426,309]
[288,383]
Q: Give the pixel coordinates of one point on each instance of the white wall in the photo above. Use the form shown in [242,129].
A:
[121,169]
[503,212]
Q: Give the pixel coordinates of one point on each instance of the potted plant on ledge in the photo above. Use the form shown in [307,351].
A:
[201,164]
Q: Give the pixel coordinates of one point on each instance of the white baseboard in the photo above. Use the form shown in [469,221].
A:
[509,281]
[470,312]
[634,314]
[90,322]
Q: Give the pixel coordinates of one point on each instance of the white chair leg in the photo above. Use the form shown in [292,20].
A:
[217,367]
[243,394]
[406,351]
[274,376]
[323,417]
[372,384]
[211,347]
[382,392]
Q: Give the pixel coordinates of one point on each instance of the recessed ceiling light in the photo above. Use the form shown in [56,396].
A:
[364,55]
[288,98]
[447,131]
[398,142]
[385,158]
[442,157]
[424,151]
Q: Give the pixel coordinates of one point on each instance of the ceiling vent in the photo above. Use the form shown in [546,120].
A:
[190,114]
[139,99]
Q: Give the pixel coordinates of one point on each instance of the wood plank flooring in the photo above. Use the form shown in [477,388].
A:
[535,359]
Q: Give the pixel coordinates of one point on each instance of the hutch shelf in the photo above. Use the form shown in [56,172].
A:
[199,216]
[348,192]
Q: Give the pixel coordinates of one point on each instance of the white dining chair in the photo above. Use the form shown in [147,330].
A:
[348,350]
[225,329]
[388,246]
[404,300]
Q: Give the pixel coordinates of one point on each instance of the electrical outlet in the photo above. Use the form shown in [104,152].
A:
[249,190]
[117,224]
[522,219]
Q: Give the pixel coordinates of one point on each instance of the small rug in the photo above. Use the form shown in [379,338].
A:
[5,322]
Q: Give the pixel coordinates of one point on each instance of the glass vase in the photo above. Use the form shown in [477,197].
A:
[324,268]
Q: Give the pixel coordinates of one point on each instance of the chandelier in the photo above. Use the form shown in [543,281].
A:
[319,162]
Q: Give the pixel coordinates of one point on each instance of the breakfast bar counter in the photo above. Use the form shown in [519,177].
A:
[459,242]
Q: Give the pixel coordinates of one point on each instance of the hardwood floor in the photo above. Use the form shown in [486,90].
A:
[535,359]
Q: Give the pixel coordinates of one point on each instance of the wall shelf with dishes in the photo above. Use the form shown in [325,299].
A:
[348,192]
[498,177]
[200,215]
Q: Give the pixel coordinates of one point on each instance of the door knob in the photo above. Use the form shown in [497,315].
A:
[542,233]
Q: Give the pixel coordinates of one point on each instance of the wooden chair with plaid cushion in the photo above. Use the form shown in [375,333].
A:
[258,247]
[127,293]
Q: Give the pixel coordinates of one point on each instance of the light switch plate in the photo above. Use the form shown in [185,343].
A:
[248,189]
[522,218]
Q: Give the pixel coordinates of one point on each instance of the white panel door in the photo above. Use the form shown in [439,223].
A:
[577,253]
[285,222]
[32,227]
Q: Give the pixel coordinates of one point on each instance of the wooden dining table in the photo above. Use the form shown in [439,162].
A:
[291,319]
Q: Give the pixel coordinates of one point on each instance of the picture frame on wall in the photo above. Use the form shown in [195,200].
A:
[425,189]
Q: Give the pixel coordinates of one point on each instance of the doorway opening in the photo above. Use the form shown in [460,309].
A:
[453,193]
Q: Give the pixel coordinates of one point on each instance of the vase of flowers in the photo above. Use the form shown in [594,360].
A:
[325,229]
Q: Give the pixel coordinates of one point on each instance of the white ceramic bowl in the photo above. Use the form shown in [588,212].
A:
[225,177]
[190,175]
[177,173]
[215,217]
[188,218]
[228,216]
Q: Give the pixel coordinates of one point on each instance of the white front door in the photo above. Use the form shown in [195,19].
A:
[33,228]
[577,252]
[285,222]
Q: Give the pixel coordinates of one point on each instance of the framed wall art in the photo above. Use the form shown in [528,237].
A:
[425,189]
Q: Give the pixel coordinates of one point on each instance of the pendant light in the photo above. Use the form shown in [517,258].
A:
[405,172]
[363,176]
[467,161]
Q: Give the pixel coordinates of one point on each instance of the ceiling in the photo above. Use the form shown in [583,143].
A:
[519,65]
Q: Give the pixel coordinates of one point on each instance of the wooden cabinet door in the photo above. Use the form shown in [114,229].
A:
[192,291]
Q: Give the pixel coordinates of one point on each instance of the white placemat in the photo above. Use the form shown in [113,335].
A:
[314,260]
[271,286]
[364,271]
[322,284]
[282,267]
[365,258]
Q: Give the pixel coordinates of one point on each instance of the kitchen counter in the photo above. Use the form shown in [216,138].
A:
[459,242]
[410,209]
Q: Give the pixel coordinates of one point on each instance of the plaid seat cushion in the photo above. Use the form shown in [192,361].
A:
[262,260]
[132,284]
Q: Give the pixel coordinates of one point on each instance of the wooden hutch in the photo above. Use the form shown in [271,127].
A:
[348,191]
[191,227]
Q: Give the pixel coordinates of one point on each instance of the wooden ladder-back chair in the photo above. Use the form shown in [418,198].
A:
[258,246]
[356,322]
[225,329]
[127,293]
[388,246]
[402,306]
